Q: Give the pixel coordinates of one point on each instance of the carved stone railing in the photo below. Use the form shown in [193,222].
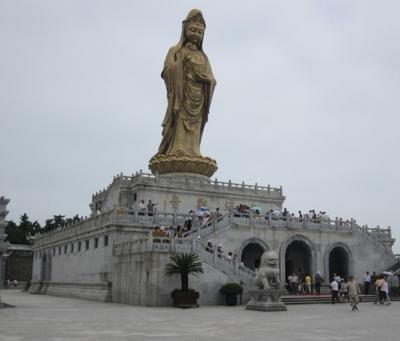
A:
[122,216]
[381,237]
[155,179]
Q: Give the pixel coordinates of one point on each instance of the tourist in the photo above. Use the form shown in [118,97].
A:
[178,231]
[216,213]
[8,284]
[285,214]
[230,256]
[344,291]
[377,285]
[385,291]
[15,283]
[300,217]
[150,208]
[367,282]
[307,284]
[293,280]
[353,292]
[318,282]
[220,251]
[142,207]
[334,291]
[209,247]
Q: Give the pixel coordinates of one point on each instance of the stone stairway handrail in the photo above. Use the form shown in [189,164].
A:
[166,244]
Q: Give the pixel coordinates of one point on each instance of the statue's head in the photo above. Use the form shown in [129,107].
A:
[193,28]
[269,258]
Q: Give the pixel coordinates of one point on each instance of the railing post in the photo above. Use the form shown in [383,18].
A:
[150,240]
[135,216]
[174,218]
[230,216]
[155,215]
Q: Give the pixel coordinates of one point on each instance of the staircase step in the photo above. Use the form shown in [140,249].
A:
[314,299]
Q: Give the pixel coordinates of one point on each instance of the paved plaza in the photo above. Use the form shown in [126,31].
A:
[39,317]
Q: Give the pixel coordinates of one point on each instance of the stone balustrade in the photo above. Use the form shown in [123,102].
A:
[155,179]
[122,216]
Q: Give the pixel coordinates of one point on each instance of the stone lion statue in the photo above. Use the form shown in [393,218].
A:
[267,276]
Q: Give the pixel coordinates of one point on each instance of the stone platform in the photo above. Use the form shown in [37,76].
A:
[266,300]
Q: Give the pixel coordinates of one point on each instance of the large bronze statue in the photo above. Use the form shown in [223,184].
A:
[190,85]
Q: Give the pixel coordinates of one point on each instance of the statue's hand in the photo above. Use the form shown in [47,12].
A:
[187,57]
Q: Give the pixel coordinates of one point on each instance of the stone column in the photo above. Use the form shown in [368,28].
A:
[3,245]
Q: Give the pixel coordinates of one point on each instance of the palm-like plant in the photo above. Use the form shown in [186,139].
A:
[184,264]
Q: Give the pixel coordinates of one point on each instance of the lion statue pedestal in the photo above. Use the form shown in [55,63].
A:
[267,293]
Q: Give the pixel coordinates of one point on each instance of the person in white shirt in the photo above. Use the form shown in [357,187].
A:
[367,283]
[334,291]
[385,291]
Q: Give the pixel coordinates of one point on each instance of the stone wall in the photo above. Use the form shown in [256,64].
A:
[91,291]
[138,279]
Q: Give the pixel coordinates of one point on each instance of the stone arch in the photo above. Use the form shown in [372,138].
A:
[250,252]
[301,242]
[343,256]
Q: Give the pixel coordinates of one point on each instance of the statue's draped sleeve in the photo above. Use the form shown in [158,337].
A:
[172,74]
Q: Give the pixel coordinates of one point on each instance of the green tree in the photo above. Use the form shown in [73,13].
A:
[19,234]
[184,264]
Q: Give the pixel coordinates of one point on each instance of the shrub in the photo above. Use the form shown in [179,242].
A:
[231,289]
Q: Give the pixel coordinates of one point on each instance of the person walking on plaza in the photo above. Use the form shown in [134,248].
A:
[385,291]
[318,282]
[367,282]
[334,291]
[353,290]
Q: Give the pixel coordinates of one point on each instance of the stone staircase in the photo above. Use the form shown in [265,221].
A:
[210,227]
[237,273]
[324,298]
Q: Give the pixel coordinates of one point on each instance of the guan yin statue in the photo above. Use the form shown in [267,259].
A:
[190,85]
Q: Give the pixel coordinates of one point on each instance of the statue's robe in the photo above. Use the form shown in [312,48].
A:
[189,101]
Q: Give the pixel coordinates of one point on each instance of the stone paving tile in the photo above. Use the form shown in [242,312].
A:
[39,317]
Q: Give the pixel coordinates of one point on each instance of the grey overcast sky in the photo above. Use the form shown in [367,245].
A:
[307,98]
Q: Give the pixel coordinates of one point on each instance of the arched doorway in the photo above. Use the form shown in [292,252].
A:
[251,255]
[339,262]
[298,259]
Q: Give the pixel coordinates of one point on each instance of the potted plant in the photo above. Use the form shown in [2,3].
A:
[231,290]
[184,264]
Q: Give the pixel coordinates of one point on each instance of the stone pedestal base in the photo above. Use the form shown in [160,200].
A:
[266,300]
[164,164]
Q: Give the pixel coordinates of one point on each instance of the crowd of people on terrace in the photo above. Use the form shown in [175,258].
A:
[203,214]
